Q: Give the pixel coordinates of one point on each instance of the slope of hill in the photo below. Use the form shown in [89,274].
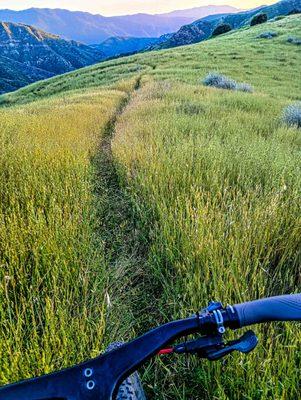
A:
[187,34]
[131,194]
[187,63]
[28,54]
[14,75]
[202,29]
[91,29]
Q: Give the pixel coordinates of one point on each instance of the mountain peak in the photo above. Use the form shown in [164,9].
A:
[17,31]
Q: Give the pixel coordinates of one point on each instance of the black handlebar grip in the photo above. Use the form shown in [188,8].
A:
[279,308]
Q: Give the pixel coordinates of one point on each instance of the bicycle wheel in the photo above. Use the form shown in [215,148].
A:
[131,388]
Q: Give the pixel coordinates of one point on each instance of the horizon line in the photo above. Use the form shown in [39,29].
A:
[122,15]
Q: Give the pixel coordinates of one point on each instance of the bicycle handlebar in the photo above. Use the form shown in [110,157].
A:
[100,377]
[279,308]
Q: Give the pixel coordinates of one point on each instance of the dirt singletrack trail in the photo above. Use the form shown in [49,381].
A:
[125,251]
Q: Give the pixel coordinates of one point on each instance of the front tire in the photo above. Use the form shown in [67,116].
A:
[131,388]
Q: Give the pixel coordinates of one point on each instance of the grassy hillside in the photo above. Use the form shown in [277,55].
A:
[238,54]
[203,29]
[132,194]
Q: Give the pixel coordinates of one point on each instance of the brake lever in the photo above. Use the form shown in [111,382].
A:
[244,345]
[213,347]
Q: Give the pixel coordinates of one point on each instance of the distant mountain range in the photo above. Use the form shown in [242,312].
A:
[90,29]
[203,28]
[28,54]
[201,12]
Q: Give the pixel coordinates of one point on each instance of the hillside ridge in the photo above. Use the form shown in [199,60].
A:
[41,54]
[202,29]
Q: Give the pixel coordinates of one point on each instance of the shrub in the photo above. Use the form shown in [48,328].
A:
[221,29]
[294,11]
[244,87]
[291,115]
[223,82]
[188,108]
[259,19]
[279,18]
[267,35]
[219,81]
[294,40]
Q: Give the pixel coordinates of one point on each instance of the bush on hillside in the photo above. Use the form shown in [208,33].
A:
[294,11]
[291,115]
[267,35]
[294,40]
[244,87]
[259,19]
[219,81]
[278,18]
[223,82]
[190,109]
[221,29]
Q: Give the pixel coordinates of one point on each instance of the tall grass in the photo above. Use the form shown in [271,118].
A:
[214,179]
[219,191]
[53,273]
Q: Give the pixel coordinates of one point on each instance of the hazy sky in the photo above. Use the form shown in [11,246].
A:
[120,7]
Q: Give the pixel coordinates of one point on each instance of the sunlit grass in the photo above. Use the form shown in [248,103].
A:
[53,272]
[216,178]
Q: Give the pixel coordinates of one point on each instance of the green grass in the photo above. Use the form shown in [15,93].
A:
[53,271]
[198,198]
[217,180]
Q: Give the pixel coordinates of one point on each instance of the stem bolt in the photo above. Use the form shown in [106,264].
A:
[88,372]
[90,385]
